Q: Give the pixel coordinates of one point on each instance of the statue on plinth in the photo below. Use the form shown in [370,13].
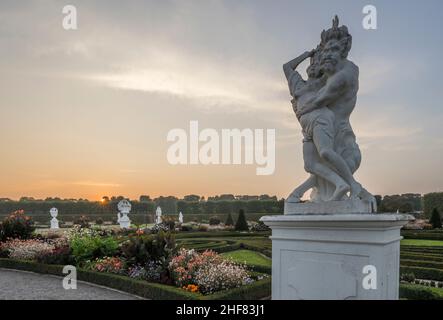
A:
[323,104]
[54,222]
[124,208]
[158,215]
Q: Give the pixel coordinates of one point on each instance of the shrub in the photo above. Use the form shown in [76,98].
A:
[92,247]
[26,249]
[159,227]
[229,220]
[259,227]
[82,221]
[16,226]
[107,264]
[185,228]
[169,222]
[242,224]
[423,273]
[417,292]
[225,275]
[214,221]
[99,221]
[435,220]
[59,256]
[408,277]
[151,271]
[209,271]
[140,250]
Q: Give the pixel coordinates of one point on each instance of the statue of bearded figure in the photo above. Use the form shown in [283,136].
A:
[323,105]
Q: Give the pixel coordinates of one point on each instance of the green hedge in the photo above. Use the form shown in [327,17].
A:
[421,249]
[422,234]
[257,290]
[422,257]
[424,264]
[417,292]
[423,273]
[218,234]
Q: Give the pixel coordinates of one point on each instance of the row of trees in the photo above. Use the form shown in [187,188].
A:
[405,203]
[169,205]
[195,204]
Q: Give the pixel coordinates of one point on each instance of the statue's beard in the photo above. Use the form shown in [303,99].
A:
[329,66]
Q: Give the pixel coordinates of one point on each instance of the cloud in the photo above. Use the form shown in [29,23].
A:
[96,184]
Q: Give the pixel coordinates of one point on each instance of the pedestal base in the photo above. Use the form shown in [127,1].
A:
[348,206]
[54,223]
[323,257]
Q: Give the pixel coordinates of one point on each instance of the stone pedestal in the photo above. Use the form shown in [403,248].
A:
[324,257]
[54,223]
[125,222]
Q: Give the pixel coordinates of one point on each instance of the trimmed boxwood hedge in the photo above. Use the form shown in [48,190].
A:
[421,249]
[422,257]
[417,292]
[257,290]
[423,273]
[218,234]
[422,234]
[424,264]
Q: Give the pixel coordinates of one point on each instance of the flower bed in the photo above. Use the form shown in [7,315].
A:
[136,260]
[155,291]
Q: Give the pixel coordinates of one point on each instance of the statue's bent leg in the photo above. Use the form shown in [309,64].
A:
[298,193]
[324,144]
[314,166]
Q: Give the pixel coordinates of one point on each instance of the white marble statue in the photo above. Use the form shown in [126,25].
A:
[158,215]
[54,222]
[180,217]
[323,104]
[124,208]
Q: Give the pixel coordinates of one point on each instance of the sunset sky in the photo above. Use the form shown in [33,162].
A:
[85,113]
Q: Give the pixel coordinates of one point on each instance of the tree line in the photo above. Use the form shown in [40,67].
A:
[195,204]
[192,204]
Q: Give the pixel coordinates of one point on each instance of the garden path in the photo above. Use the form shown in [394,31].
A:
[20,285]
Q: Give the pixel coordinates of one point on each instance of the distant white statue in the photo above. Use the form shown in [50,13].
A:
[124,207]
[158,215]
[180,217]
[54,222]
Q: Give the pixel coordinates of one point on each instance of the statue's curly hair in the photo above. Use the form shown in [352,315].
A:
[338,33]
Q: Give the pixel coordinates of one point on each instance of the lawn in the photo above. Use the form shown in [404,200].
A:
[416,242]
[249,257]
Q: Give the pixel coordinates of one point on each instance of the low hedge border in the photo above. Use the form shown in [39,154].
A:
[218,234]
[421,249]
[422,235]
[422,257]
[417,292]
[155,291]
[423,273]
[424,264]
[256,291]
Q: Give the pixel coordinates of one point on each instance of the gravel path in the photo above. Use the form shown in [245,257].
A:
[19,285]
